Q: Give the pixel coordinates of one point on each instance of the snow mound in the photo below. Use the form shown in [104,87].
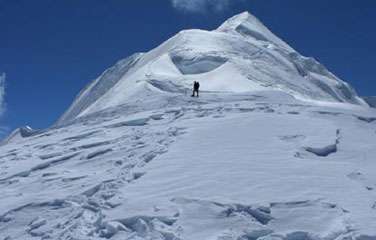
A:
[19,133]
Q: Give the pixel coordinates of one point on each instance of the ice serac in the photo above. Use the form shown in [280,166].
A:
[242,55]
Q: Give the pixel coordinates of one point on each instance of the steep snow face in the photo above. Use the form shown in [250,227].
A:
[242,55]
[100,86]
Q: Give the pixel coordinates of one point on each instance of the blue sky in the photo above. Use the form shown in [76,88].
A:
[51,49]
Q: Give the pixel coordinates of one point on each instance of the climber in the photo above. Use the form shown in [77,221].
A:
[196,88]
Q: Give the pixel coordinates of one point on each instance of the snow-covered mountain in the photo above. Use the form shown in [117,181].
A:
[242,55]
[275,148]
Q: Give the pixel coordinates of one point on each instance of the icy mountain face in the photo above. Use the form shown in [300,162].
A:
[242,55]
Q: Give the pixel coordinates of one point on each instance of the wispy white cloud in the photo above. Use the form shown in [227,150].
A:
[3,129]
[202,6]
[2,93]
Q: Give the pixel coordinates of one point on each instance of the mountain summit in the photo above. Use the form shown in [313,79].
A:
[242,55]
[248,25]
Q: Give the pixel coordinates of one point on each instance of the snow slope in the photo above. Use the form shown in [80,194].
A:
[231,166]
[242,55]
[136,158]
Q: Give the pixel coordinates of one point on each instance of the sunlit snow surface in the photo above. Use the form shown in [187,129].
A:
[225,166]
[276,147]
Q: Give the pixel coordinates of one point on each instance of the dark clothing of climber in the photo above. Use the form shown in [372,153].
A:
[196,88]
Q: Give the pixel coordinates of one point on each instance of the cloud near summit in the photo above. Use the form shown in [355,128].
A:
[202,6]
[3,129]
[2,93]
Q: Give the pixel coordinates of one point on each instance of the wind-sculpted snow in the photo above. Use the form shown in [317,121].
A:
[198,64]
[242,55]
[226,166]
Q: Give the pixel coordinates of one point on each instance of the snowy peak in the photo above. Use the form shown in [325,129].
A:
[241,56]
[249,26]
[240,19]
